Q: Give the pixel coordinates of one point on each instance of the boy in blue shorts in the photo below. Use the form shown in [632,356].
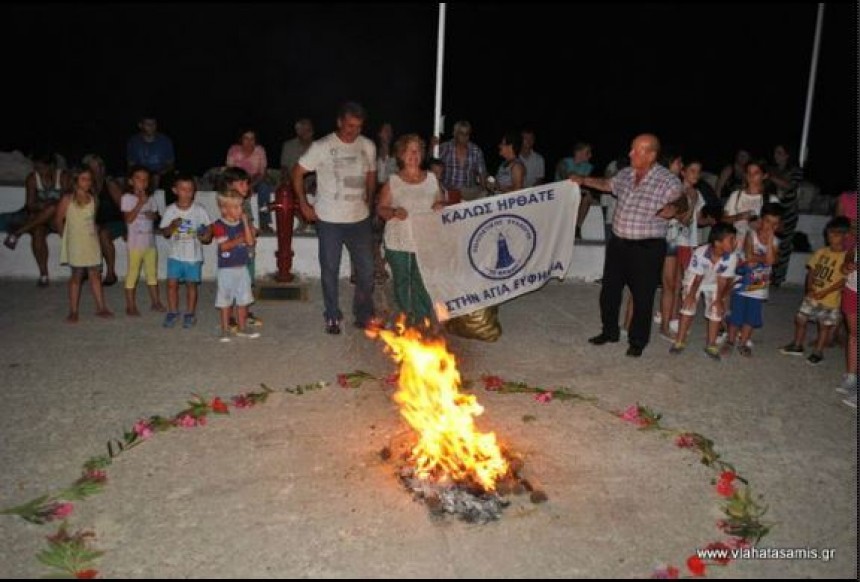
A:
[186,224]
[234,236]
[760,252]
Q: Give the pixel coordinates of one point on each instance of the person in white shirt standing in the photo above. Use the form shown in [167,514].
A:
[345,163]
[535,167]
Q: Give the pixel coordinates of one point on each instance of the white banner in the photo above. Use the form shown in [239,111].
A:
[480,253]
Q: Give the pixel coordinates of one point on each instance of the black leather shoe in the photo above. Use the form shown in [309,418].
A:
[634,351]
[601,339]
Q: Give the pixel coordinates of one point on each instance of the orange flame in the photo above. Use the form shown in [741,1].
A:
[449,446]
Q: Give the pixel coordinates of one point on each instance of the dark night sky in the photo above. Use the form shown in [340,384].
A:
[706,78]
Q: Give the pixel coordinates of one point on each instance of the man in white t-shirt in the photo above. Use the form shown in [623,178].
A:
[345,164]
[534,163]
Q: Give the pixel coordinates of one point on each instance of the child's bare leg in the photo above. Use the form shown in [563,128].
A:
[191,296]
[746,334]
[173,295]
[825,333]
[667,295]
[225,318]
[131,302]
[713,331]
[99,293]
[242,316]
[154,299]
[683,328]
[733,334]
[628,310]
[74,295]
[800,329]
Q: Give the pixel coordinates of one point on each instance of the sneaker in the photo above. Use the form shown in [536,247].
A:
[851,401]
[170,319]
[188,320]
[332,326]
[224,336]
[849,385]
[677,348]
[248,334]
[713,352]
[791,350]
[253,320]
[814,358]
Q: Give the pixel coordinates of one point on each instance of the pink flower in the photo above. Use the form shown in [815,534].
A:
[242,401]
[722,524]
[543,397]
[343,380]
[186,421]
[685,441]
[492,382]
[631,414]
[391,380]
[61,510]
[667,573]
[142,429]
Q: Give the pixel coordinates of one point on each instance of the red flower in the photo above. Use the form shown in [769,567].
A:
[725,488]
[696,566]
[685,441]
[86,574]
[492,382]
[727,476]
[95,475]
[343,381]
[720,547]
[219,407]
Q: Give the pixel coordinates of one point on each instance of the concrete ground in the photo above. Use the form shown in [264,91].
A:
[296,488]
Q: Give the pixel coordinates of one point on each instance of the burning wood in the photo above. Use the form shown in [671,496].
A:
[453,467]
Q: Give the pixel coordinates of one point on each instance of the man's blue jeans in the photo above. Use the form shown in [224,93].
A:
[358,238]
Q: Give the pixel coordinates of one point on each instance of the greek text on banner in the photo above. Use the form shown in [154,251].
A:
[480,253]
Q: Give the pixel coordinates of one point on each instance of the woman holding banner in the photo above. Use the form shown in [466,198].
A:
[411,190]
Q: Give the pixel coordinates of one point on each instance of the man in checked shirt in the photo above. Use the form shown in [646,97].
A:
[634,256]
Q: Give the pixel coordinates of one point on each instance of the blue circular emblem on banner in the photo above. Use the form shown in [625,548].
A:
[501,246]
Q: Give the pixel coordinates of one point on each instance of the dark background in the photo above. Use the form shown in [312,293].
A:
[706,78]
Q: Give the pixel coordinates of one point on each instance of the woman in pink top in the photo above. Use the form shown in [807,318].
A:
[847,207]
[251,157]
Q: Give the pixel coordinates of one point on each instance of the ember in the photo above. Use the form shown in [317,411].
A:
[453,467]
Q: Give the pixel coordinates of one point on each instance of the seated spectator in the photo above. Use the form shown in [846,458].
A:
[152,150]
[44,187]
[247,154]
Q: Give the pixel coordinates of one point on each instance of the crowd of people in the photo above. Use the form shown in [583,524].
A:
[361,193]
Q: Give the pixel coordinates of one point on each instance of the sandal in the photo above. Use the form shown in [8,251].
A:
[109,280]
[10,242]
[745,351]
[43,281]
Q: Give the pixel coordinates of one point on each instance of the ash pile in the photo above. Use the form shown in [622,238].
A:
[467,500]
